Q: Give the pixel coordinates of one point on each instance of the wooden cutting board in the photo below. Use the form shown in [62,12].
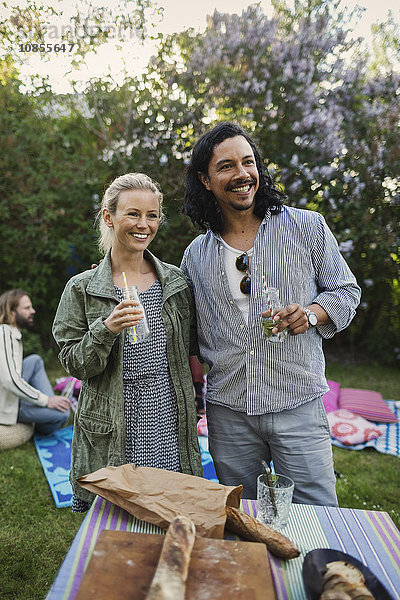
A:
[123,564]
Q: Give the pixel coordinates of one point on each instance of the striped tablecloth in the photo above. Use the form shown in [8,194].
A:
[369,536]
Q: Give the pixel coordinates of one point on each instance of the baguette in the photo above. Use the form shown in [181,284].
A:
[249,528]
[169,581]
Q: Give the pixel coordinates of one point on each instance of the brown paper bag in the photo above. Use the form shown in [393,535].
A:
[157,496]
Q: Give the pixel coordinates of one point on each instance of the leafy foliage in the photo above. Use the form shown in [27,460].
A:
[46,197]
[324,112]
[83,31]
[328,127]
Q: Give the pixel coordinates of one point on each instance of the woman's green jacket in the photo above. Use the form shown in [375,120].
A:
[92,353]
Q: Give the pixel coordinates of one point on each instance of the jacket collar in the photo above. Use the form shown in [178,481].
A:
[15,332]
[101,282]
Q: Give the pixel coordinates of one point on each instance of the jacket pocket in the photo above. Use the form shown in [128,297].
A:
[95,433]
[96,427]
[93,315]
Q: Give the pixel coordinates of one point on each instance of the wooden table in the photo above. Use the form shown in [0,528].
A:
[369,536]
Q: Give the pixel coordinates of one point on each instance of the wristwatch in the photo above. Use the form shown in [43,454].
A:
[311,317]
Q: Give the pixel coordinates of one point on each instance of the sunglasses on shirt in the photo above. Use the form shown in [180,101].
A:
[243,265]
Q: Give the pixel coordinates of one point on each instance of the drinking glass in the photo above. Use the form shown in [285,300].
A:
[272,300]
[274,499]
[141,332]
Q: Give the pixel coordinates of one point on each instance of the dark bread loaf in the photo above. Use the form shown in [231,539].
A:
[249,528]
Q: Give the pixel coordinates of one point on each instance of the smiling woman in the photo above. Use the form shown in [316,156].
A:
[134,224]
[136,403]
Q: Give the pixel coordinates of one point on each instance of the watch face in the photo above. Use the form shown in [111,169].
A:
[312,319]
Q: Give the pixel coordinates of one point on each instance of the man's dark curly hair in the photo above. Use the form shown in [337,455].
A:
[200,204]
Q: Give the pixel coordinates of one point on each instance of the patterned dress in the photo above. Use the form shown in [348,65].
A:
[150,406]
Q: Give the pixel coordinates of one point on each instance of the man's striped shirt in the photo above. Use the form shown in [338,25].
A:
[297,253]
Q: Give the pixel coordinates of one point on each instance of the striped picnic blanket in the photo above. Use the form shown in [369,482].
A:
[369,536]
[388,442]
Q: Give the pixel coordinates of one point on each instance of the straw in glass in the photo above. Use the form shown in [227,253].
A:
[270,483]
[127,295]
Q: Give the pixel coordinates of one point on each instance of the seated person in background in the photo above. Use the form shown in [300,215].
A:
[26,395]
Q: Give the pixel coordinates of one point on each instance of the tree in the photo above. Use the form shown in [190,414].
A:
[144,125]
[327,125]
[48,164]
[324,112]
[52,172]
[77,31]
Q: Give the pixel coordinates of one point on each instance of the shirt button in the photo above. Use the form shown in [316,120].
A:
[223,273]
[252,352]
[242,326]
[231,301]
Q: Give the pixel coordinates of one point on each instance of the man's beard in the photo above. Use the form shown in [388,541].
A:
[242,207]
[23,322]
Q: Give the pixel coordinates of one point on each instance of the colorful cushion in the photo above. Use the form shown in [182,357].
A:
[351,429]
[202,426]
[331,398]
[367,404]
[62,384]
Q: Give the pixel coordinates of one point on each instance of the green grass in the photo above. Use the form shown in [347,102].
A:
[35,535]
[385,380]
[368,479]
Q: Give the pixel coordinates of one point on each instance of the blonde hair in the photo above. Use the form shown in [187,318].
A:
[129,181]
[9,302]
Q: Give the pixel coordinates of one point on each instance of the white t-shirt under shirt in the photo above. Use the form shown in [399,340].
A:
[235,277]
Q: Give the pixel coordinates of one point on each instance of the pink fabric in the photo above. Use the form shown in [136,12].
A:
[63,381]
[367,404]
[351,429]
[202,426]
[331,398]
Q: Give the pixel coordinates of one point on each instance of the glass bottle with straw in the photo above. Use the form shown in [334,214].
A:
[141,332]
[272,303]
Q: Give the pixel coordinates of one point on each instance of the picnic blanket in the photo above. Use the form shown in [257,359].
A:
[369,536]
[54,452]
[388,442]
[206,460]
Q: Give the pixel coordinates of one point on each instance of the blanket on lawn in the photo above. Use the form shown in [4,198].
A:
[388,442]
[54,452]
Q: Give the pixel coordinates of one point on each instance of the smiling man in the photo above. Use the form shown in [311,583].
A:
[26,395]
[264,400]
